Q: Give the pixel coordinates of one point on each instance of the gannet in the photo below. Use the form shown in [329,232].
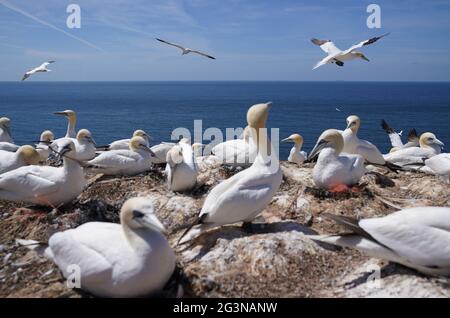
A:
[135,160]
[26,155]
[440,165]
[45,185]
[242,197]
[236,152]
[418,238]
[197,148]
[125,143]
[429,147]
[130,259]
[7,146]
[181,169]
[296,155]
[396,140]
[186,50]
[85,146]
[40,69]
[160,151]
[72,121]
[338,57]
[335,169]
[42,148]
[5,130]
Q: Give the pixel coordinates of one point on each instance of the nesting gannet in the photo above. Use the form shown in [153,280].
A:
[42,147]
[26,155]
[186,50]
[45,185]
[40,69]
[338,57]
[8,146]
[135,160]
[242,197]
[440,165]
[335,169]
[5,130]
[181,169]
[197,148]
[115,260]
[418,238]
[396,140]
[429,147]
[236,152]
[71,122]
[125,143]
[85,147]
[160,151]
[296,155]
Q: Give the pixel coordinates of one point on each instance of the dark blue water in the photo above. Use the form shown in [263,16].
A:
[112,110]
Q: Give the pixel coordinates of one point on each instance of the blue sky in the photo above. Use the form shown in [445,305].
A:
[252,39]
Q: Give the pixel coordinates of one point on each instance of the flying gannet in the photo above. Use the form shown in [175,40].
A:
[242,197]
[296,155]
[186,50]
[181,169]
[335,170]
[26,155]
[130,259]
[418,238]
[396,140]
[338,57]
[45,185]
[135,160]
[5,130]
[40,69]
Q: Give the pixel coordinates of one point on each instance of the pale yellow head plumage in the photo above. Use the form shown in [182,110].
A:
[5,122]
[47,135]
[29,155]
[353,123]
[429,139]
[257,115]
[175,155]
[137,143]
[70,114]
[333,138]
[141,133]
[295,138]
[138,213]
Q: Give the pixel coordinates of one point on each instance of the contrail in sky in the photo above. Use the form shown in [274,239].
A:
[18,10]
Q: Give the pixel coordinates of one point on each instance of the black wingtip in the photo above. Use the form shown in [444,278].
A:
[386,127]
[412,135]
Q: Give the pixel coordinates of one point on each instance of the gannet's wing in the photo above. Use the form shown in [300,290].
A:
[27,181]
[396,141]
[364,43]
[173,44]
[327,46]
[204,54]
[324,61]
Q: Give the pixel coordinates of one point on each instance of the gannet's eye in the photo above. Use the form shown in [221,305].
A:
[137,214]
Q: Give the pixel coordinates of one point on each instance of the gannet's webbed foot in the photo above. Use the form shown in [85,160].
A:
[338,63]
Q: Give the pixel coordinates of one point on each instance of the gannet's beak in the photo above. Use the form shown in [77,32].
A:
[438,142]
[286,140]
[365,58]
[147,148]
[91,140]
[149,137]
[317,149]
[350,125]
[149,220]
[60,113]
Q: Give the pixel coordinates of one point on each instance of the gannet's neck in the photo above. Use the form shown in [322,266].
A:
[139,238]
[435,148]
[71,165]
[265,152]
[298,146]
[71,133]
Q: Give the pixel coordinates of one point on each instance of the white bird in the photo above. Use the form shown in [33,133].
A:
[26,155]
[338,57]
[338,109]
[237,152]
[125,143]
[429,147]
[186,50]
[45,185]
[41,68]
[364,148]
[242,197]
[85,146]
[5,130]
[296,155]
[181,169]
[135,160]
[42,146]
[440,165]
[130,259]
[8,146]
[71,122]
[396,140]
[335,170]
[418,238]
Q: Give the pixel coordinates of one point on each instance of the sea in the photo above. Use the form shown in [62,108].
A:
[113,110]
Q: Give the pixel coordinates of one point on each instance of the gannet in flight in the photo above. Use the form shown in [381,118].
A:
[296,155]
[338,57]
[186,50]
[125,143]
[130,259]
[135,160]
[5,130]
[26,155]
[45,185]
[242,197]
[335,170]
[41,68]
[181,169]
[418,238]
[396,140]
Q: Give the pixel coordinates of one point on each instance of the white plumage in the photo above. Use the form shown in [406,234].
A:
[40,69]
[181,169]
[236,152]
[26,155]
[296,155]
[5,130]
